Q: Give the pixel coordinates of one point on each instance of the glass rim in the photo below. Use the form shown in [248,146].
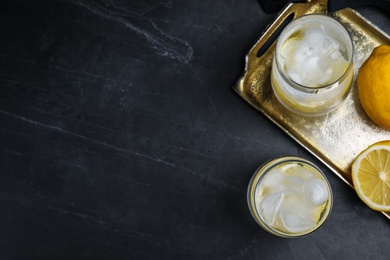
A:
[257,178]
[333,84]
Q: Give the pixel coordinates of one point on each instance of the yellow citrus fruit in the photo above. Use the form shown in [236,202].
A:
[371,176]
[374,85]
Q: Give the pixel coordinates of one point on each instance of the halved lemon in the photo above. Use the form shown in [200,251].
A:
[371,176]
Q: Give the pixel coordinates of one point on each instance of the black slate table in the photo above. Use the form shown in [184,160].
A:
[121,137]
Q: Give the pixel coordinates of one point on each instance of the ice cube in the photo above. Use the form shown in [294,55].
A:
[314,35]
[315,192]
[299,171]
[295,216]
[297,223]
[288,168]
[293,183]
[273,178]
[314,59]
[326,43]
[270,206]
[335,55]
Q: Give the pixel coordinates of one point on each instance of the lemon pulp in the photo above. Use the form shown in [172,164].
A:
[371,176]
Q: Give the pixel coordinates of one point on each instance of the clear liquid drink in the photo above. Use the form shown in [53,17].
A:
[312,70]
[289,197]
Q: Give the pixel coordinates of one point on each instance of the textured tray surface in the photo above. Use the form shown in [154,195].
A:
[337,138]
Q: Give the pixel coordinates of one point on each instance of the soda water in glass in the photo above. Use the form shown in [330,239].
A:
[312,69]
[289,197]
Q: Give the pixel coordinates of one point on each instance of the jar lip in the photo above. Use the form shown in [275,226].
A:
[257,178]
[333,84]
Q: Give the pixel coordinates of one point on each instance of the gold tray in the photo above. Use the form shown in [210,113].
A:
[337,138]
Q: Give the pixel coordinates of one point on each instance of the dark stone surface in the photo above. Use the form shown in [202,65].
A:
[121,137]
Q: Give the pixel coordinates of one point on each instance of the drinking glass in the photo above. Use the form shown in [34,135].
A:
[289,197]
[312,69]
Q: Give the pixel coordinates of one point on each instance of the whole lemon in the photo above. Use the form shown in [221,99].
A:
[374,86]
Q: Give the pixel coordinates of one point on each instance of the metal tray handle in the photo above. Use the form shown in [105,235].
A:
[266,43]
